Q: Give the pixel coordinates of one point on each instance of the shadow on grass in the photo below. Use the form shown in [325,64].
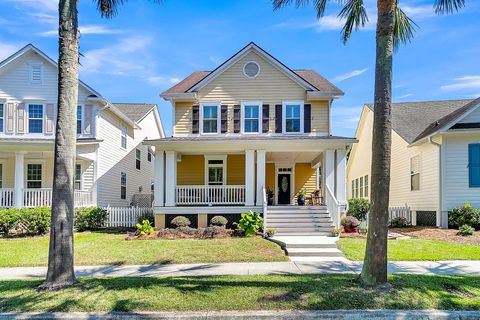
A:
[325,292]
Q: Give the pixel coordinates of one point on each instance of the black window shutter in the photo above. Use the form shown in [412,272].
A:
[278,118]
[307,118]
[236,118]
[265,117]
[224,118]
[195,119]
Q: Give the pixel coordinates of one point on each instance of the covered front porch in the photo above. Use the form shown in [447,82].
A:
[26,176]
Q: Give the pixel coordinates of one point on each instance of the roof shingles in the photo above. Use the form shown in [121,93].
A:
[135,111]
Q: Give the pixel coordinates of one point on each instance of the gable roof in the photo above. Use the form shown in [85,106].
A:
[309,79]
[416,120]
[135,111]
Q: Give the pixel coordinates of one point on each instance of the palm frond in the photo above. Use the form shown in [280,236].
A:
[448,6]
[109,8]
[403,28]
[355,16]
[319,5]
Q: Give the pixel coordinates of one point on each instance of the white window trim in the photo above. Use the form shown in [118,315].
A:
[210,104]
[419,172]
[139,159]
[242,115]
[27,113]
[224,166]
[278,167]
[246,75]
[31,66]
[284,116]
[124,132]
[81,175]
[3,163]
[32,161]
[126,183]
[82,126]
[2,119]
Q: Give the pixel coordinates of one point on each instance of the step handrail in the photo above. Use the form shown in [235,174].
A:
[264,194]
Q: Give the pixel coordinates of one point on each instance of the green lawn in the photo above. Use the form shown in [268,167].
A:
[413,249]
[244,293]
[108,248]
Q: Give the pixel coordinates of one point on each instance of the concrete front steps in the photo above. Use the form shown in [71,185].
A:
[299,220]
[308,246]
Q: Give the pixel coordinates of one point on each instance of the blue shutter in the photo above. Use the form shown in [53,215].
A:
[474,165]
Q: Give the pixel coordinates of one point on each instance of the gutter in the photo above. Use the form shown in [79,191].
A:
[443,221]
[107,105]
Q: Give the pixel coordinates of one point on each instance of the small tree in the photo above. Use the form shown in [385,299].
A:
[358,207]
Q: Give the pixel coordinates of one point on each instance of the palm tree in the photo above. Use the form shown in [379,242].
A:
[393,27]
[60,272]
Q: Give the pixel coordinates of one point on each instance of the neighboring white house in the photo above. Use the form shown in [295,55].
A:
[435,158]
[112,163]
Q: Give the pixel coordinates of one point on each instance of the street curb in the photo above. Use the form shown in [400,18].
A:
[239,315]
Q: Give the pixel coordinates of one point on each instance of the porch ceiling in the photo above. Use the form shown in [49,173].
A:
[291,156]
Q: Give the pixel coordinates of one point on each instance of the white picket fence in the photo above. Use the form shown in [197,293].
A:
[124,216]
[394,212]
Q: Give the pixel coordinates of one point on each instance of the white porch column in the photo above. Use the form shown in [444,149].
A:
[341,176]
[260,176]
[170,177]
[329,169]
[159,191]
[19,178]
[249,177]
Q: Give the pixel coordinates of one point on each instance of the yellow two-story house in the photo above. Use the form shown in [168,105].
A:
[251,126]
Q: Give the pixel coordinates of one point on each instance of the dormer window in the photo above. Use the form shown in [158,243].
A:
[210,118]
[36,73]
[293,119]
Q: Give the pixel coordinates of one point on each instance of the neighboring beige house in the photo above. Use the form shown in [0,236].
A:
[250,125]
[435,158]
[112,163]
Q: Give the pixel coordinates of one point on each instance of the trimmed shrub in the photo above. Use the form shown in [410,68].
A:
[144,228]
[465,215]
[350,222]
[358,208]
[9,219]
[181,221]
[35,220]
[466,230]
[91,218]
[250,223]
[399,222]
[147,215]
[219,221]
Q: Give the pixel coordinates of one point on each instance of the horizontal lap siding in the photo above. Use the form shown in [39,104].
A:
[456,180]
[87,175]
[305,177]
[183,117]
[236,169]
[270,176]
[320,121]
[191,170]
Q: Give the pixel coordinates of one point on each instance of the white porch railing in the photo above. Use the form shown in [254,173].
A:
[334,207]
[43,197]
[7,197]
[209,195]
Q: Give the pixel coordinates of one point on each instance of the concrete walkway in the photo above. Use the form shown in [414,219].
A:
[296,266]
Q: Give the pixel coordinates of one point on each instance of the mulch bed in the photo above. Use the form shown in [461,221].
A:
[449,235]
[187,233]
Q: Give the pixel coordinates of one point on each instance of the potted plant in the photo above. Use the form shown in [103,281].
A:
[301,196]
[350,224]
[271,232]
[270,195]
[335,232]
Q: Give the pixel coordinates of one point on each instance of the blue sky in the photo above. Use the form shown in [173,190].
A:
[148,47]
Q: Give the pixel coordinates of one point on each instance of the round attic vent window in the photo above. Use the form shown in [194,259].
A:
[251,69]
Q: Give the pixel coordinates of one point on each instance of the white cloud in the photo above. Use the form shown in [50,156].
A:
[348,75]
[40,5]
[174,80]
[404,96]
[418,12]
[330,22]
[463,83]
[7,49]
[88,29]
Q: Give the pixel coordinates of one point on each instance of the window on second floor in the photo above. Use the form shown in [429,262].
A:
[78,176]
[138,158]
[34,175]
[251,119]
[415,173]
[79,119]
[123,185]
[124,138]
[150,156]
[293,117]
[2,117]
[210,118]
[35,118]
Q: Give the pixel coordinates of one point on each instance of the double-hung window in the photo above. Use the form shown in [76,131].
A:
[78,176]
[124,138]
[2,116]
[415,173]
[138,159]
[293,115]
[216,171]
[35,118]
[34,175]
[210,118]
[251,119]
[123,185]
[79,119]
[150,156]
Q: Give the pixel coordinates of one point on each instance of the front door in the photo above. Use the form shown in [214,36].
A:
[283,188]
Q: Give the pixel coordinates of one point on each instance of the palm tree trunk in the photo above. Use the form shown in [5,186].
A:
[375,264]
[60,272]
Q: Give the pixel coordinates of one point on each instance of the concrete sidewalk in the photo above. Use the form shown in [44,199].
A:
[296,266]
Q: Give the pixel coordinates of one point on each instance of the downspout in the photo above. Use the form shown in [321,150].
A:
[443,221]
